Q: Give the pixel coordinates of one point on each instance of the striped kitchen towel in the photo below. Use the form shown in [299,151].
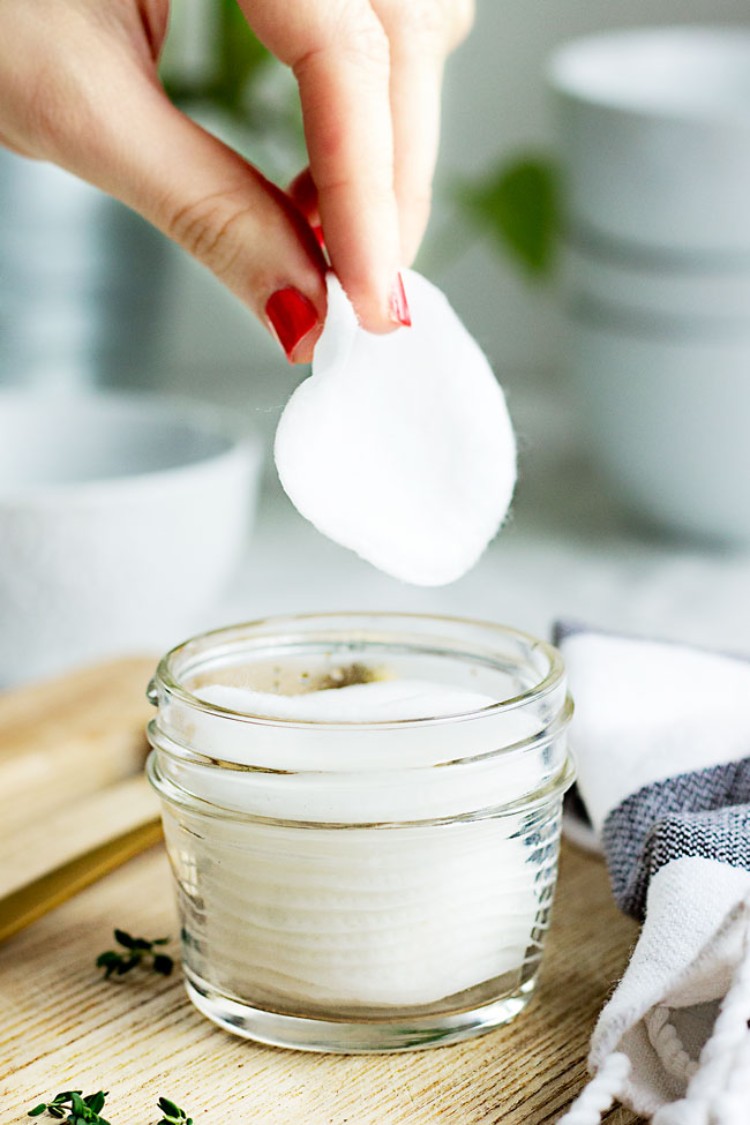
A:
[661,738]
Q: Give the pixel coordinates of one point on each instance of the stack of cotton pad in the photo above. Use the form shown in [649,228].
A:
[388,701]
[397,915]
[400,446]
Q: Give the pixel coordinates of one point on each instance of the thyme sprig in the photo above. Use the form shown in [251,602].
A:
[137,951]
[173,1115]
[71,1106]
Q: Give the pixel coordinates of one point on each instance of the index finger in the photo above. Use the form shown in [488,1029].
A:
[339,53]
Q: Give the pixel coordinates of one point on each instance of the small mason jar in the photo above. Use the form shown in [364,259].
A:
[361,885]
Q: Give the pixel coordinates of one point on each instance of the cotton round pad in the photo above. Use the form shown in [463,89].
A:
[400,446]
[362,703]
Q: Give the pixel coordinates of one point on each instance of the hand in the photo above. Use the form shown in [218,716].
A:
[79,87]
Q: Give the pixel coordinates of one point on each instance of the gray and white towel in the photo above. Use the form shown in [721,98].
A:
[661,738]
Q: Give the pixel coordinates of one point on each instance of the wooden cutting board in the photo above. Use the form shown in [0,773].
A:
[74,803]
[64,1027]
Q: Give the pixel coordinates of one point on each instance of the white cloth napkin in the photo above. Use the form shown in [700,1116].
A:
[662,742]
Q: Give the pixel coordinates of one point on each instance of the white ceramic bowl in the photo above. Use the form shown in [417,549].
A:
[654,132]
[668,421]
[121,519]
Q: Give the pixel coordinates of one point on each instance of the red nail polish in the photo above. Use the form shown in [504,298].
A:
[318,232]
[292,316]
[398,305]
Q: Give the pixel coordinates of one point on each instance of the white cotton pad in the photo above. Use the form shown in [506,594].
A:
[400,447]
[373,702]
[385,912]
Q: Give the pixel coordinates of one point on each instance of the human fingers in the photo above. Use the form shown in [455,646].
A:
[339,53]
[421,34]
[304,194]
[303,191]
[96,108]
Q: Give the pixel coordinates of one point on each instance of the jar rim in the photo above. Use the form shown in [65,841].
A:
[552,788]
[166,678]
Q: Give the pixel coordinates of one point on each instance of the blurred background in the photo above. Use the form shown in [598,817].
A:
[496,108]
[91,297]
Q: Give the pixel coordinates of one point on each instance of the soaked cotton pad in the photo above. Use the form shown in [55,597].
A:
[362,703]
[400,447]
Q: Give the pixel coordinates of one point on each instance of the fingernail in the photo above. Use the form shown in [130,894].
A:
[291,316]
[398,305]
[318,232]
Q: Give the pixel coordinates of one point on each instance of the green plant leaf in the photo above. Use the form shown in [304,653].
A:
[71,1106]
[167,1106]
[517,204]
[173,1115]
[96,1101]
[237,57]
[240,56]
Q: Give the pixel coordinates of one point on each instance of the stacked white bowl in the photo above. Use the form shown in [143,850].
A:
[654,130]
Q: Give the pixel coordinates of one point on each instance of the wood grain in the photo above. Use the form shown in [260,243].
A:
[73,830]
[64,1027]
[65,738]
[54,858]
[73,800]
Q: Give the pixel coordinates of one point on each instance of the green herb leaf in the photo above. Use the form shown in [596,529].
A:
[163,964]
[71,1107]
[173,1115]
[125,964]
[138,949]
[166,1106]
[517,204]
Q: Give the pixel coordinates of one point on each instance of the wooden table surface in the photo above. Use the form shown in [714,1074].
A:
[63,746]
[63,1027]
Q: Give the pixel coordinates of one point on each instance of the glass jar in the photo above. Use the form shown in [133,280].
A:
[353,885]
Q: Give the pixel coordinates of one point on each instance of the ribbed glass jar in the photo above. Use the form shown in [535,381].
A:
[362,886]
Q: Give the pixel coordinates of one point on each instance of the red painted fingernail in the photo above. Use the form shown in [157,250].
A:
[318,232]
[292,316]
[398,305]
